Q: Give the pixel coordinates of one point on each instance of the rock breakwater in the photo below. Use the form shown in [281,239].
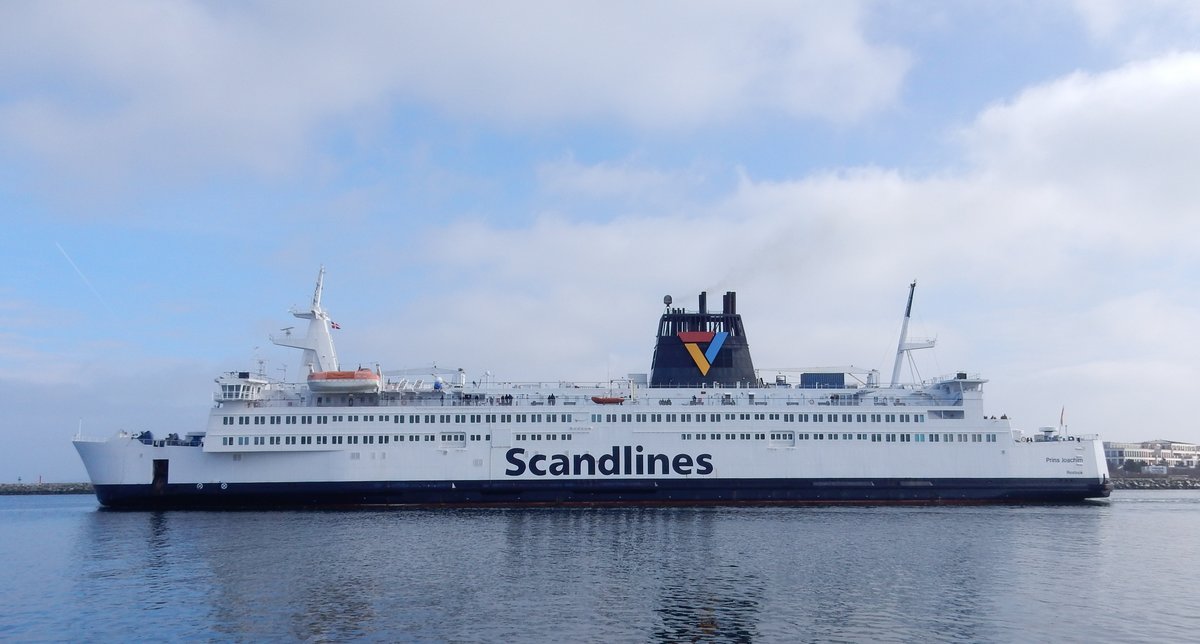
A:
[45,488]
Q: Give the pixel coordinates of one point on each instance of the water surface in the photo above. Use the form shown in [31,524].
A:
[1121,570]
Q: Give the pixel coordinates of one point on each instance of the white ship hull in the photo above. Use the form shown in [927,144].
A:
[577,461]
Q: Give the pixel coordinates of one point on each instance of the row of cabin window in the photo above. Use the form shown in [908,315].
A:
[349,440]
[412,438]
[874,438]
[787,418]
[411,419]
[728,437]
[538,437]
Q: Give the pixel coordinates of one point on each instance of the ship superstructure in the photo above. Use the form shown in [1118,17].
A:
[705,428]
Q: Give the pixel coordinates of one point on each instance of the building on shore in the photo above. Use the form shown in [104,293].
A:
[1155,452]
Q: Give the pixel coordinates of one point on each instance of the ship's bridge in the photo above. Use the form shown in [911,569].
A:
[240,386]
[959,382]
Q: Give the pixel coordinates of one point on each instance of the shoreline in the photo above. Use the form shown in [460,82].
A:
[13,489]
[1156,483]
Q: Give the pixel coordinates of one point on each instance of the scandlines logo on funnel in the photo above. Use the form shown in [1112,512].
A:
[692,341]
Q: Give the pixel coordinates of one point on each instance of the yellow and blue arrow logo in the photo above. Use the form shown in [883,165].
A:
[692,341]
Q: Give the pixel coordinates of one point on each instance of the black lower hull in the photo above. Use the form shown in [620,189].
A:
[593,492]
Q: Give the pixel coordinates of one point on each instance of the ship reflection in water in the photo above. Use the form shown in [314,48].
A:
[724,603]
[671,575]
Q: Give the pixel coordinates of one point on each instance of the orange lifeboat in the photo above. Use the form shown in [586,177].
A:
[346,382]
[608,400]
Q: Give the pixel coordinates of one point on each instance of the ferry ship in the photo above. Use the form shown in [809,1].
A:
[703,427]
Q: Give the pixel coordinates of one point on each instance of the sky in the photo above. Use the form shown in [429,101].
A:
[513,187]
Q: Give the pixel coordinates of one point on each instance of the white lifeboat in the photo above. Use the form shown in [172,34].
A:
[344,382]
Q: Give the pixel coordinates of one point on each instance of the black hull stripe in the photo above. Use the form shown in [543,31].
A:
[597,492]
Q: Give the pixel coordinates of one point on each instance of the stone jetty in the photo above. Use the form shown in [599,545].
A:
[1156,483]
[45,488]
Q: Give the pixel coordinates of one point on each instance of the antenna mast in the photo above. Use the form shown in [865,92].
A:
[317,343]
[904,345]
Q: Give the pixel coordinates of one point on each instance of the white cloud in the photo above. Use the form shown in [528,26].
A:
[128,87]
[1109,151]
[1141,29]
[653,65]
[628,180]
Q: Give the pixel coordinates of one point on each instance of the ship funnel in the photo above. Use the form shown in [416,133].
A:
[698,349]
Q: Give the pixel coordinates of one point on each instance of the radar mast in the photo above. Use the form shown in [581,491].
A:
[317,343]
